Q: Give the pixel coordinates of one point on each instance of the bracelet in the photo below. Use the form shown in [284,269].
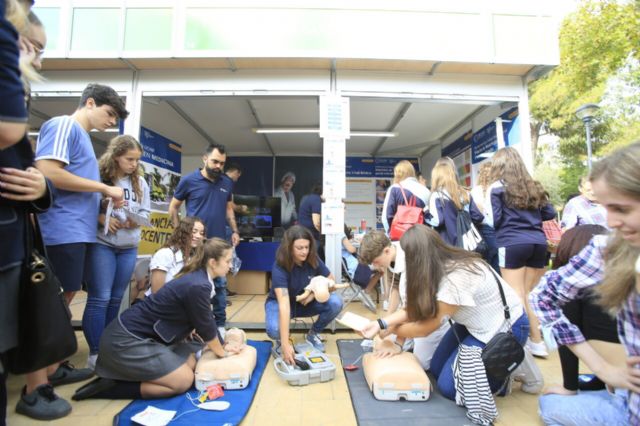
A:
[383,324]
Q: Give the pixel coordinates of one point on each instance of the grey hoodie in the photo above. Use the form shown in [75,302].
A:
[127,238]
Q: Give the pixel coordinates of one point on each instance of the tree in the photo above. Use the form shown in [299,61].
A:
[596,42]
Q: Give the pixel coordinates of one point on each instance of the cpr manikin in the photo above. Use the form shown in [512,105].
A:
[397,377]
[232,372]
[319,288]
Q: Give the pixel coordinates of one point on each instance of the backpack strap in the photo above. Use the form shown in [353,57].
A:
[406,203]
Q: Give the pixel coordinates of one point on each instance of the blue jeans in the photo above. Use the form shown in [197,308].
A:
[110,271]
[219,301]
[587,408]
[326,313]
[445,355]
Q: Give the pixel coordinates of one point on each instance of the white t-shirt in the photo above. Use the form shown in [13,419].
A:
[399,268]
[166,260]
[480,307]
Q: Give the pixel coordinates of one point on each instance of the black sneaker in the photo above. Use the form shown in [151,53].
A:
[230,293]
[67,373]
[42,404]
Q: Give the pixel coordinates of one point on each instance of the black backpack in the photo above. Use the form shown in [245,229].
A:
[467,235]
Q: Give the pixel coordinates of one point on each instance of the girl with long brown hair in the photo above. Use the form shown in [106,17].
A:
[167,262]
[113,258]
[445,281]
[147,352]
[616,183]
[515,207]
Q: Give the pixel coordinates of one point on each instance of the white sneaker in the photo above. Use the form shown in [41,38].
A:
[529,375]
[91,361]
[537,349]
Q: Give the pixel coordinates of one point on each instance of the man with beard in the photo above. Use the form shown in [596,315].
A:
[207,193]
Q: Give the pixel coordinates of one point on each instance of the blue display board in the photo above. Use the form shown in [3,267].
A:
[458,146]
[485,140]
[369,167]
[160,151]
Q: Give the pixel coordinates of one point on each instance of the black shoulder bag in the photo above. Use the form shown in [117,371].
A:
[503,353]
[45,334]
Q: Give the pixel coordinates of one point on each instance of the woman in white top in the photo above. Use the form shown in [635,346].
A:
[478,195]
[446,282]
[170,259]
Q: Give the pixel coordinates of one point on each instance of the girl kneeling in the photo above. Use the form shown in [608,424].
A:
[148,352]
[444,281]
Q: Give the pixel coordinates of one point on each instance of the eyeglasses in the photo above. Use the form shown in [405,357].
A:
[37,47]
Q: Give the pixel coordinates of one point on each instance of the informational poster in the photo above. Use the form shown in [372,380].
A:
[334,117]
[161,161]
[334,157]
[368,180]
[332,218]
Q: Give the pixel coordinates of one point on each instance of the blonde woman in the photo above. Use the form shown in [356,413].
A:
[448,197]
[516,205]
[616,184]
[404,179]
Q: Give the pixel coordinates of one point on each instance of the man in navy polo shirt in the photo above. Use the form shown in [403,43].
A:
[207,193]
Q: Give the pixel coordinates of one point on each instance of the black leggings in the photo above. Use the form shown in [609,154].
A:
[594,323]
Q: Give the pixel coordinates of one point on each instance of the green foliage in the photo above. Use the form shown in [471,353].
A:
[596,42]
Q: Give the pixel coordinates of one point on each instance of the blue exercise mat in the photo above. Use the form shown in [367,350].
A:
[240,400]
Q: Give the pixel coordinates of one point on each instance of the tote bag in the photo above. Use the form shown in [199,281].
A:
[45,334]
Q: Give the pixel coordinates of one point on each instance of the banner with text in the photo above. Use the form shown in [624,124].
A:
[161,161]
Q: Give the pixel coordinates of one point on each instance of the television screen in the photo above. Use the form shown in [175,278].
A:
[259,215]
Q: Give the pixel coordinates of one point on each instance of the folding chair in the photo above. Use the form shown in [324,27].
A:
[357,284]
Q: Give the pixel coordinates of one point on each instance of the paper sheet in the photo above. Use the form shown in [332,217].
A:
[152,416]
[137,218]
[107,215]
[354,321]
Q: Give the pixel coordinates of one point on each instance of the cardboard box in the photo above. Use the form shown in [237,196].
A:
[248,282]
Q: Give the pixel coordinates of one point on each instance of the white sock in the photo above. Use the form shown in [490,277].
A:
[91,361]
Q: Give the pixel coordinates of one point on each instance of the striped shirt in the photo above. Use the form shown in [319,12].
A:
[477,296]
[63,139]
[586,270]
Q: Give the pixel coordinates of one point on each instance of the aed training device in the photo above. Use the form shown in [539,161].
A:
[233,382]
[312,366]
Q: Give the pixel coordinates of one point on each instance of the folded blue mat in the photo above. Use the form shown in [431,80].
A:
[240,400]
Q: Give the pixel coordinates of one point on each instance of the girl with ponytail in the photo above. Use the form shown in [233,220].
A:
[148,351]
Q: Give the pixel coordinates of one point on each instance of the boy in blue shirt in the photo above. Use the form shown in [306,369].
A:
[64,154]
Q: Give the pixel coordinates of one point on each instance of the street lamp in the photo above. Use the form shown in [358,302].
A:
[587,113]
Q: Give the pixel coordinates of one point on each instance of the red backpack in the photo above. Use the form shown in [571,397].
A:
[406,216]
